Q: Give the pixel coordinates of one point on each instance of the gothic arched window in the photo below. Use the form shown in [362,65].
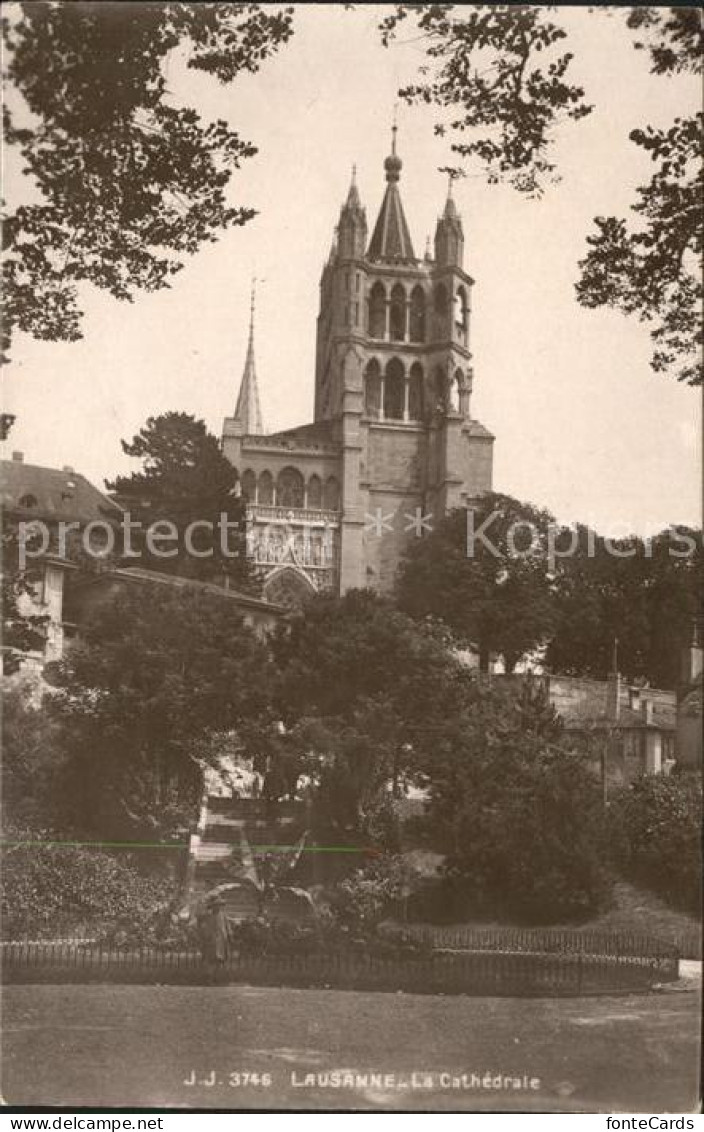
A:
[397,314]
[265,489]
[415,392]
[289,488]
[315,492]
[377,311]
[417,327]
[394,391]
[249,486]
[454,391]
[372,389]
[440,389]
[461,313]
[440,306]
[331,494]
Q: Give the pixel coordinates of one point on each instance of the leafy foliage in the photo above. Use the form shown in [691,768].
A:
[673,36]
[369,894]
[485,575]
[357,683]
[128,181]
[498,72]
[498,75]
[644,596]
[23,626]
[33,760]
[186,481]
[656,823]
[516,810]
[155,670]
[653,269]
[55,891]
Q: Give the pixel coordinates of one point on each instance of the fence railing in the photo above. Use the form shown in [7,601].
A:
[535,940]
[482,972]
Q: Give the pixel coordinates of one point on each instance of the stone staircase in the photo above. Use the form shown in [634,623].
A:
[215,855]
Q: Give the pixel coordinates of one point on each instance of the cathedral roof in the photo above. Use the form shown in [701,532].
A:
[248,411]
[391,239]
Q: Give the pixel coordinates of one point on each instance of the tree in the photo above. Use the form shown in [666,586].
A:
[33,760]
[485,67]
[23,629]
[155,670]
[357,684]
[186,481]
[653,270]
[499,73]
[128,182]
[641,593]
[484,573]
[516,810]
[656,823]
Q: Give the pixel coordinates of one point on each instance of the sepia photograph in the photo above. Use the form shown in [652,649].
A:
[352,561]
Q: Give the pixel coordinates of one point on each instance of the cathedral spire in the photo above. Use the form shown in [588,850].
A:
[352,228]
[450,212]
[248,412]
[353,200]
[391,239]
[449,237]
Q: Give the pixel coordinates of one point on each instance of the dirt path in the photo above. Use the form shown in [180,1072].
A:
[186,1046]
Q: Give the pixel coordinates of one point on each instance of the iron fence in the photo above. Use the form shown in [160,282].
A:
[548,941]
[481,972]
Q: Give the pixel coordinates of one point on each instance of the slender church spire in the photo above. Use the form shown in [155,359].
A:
[352,229]
[391,239]
[449,237]
[248,412]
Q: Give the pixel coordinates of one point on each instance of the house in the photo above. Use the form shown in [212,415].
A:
[689,705]
[64,594]
[60,508]
[632,728]
[88,592]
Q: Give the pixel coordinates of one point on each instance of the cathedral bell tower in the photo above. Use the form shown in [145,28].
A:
[393,369]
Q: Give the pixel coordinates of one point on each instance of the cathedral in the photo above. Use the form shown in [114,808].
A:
[331,505]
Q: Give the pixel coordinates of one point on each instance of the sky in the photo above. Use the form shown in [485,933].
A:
[583,426]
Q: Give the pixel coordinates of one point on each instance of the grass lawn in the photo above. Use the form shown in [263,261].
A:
[634,910]
[637,910]
[193,1047]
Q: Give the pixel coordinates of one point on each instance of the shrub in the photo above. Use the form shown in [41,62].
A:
[374,891]
[656,822]
[530,844]
[50,890]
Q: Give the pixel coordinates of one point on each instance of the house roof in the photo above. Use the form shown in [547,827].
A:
[582,704]
[53,494]
[138,575]
[316,431]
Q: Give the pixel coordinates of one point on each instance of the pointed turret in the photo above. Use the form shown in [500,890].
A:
[391,239]
[449,237]
[248,412]
[352,228]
